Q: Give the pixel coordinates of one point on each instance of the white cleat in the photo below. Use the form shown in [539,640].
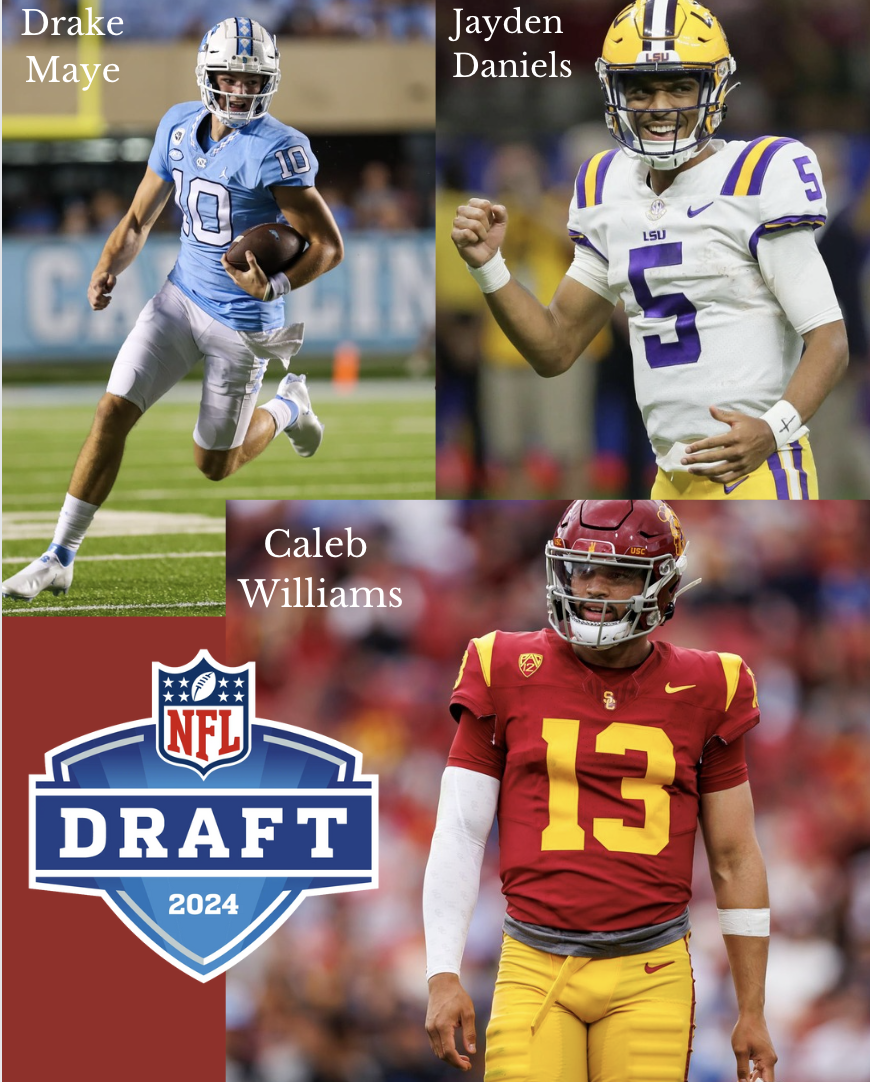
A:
[306,432]
[46,573]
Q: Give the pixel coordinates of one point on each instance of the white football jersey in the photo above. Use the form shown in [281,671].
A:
[705,328]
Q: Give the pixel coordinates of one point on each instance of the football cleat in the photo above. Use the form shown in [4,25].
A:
[46,573]
[306,432]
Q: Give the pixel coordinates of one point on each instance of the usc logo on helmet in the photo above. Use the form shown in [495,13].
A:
[666,514]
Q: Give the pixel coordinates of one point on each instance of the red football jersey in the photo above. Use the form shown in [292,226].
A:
[599,794]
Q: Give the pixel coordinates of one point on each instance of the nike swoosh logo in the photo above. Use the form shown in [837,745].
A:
[682,687]
[695,213]
[730,488]
[654,969]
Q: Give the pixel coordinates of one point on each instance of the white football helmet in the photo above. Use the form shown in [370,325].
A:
[238,45]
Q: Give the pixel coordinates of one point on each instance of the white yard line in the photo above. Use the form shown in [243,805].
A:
[24,525]
[313,489]
[131,556]
[9,609]
[189,392]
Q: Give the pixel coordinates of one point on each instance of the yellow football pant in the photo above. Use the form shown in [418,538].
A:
[558,1019]
[789,474]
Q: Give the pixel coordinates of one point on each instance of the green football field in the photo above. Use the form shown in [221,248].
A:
[157,547]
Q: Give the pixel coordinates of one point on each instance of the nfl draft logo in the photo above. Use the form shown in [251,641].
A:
[203,827]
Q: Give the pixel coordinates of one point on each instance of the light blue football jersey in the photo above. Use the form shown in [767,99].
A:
[222,191]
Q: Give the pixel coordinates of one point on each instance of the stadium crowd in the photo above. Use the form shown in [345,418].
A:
[338,994]
[361,195]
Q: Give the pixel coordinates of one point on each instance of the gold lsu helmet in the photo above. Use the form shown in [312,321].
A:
[667,37]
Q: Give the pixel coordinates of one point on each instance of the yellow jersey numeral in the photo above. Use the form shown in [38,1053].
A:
[564,831]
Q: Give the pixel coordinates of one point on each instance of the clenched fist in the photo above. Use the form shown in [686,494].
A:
[479,230]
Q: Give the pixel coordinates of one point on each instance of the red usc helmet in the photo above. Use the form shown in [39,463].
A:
[642,538]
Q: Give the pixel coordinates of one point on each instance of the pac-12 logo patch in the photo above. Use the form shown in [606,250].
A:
[203,827]
[530,663]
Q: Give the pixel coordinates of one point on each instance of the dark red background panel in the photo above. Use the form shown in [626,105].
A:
[83,998]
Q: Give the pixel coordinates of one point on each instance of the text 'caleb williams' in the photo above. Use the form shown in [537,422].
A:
[301,593]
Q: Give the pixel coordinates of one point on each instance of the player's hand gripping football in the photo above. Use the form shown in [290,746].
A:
[450,1006]
[253,280]
[751,1041]
[743,448]
[478,230]
[101,285]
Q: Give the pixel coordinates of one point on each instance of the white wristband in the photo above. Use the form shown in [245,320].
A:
[784,421]
[279,286]
[744,921]
[492,275]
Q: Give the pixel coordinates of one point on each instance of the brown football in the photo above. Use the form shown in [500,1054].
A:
[276,247]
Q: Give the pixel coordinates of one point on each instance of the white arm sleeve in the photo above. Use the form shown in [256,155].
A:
[590,270]
[465,814]
[796,275]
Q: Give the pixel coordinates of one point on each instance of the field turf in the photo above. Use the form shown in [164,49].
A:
[157,547]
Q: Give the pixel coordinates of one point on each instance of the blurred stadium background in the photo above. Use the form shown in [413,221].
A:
[503,431]
[338,994]
[358,79]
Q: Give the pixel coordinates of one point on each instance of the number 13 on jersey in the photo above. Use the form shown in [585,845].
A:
[564,831]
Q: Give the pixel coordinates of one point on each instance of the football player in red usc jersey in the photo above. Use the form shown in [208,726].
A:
[601,752]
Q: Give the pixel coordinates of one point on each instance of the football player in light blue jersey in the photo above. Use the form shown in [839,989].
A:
[230,166]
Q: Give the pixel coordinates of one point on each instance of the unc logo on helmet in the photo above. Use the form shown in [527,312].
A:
[203,864]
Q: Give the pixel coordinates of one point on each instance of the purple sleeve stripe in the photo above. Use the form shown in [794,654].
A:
[581,184]
[731,181]
[792,221]
[762,164]
[603,166]
[579,238]
[599,164]
[758,169]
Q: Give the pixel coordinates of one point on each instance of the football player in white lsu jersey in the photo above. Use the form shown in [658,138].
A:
[231,166]
[710,247]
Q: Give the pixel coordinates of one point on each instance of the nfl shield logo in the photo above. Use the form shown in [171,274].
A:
[204,710]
